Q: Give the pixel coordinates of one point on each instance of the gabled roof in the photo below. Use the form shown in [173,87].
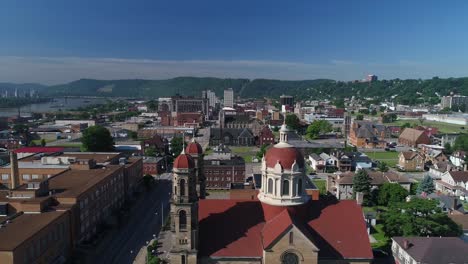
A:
[276,227]
[411,134]
[435,250]
[39,150]
[459,176]
[409,155]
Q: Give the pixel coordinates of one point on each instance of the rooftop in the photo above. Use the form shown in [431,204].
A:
[73,183]
[17,234]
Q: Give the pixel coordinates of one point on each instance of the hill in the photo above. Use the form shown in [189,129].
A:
[410,91]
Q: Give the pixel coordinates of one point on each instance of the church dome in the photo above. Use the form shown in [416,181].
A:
[286,157]
[184,161]
[194,148]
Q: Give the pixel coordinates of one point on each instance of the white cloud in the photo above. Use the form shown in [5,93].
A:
[53,70]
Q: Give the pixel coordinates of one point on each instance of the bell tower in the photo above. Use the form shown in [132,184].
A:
[184,211]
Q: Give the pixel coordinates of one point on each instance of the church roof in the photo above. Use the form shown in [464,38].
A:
[194,148]
[184,161]
[285,156]
[237,228]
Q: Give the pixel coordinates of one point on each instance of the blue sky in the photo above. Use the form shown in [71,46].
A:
[56,41]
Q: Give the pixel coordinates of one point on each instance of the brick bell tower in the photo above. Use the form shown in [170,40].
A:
[195,150]
[184,211]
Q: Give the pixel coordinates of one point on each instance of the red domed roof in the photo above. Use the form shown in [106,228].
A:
[184,161]
[194,148]
[285,156]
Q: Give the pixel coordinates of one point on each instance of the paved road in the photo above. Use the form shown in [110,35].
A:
[143,224]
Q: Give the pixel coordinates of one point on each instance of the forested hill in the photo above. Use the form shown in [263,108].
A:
[404,91]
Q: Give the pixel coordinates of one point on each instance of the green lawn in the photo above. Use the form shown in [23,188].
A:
[321,185]
[379,235]
[38,141]
[389,157]
[245,152]
[443,127]
[69,145]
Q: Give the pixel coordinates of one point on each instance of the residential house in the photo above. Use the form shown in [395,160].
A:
[437,170]
[364,134]
[341,161]
[412,137]
[429,250]
[317,163]
[410,161]
[461,220]
[458,159]
[454,183]
[341,185]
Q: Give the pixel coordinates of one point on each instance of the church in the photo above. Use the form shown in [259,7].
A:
[283,224]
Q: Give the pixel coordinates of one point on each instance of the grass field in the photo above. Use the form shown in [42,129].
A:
[321,185]
[245,152]
[389,157]
[379,235]
[38,141]
[443,127]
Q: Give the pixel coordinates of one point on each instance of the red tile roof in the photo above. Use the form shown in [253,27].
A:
[39,150]
[234,228]
[194,148]
[184,161]
[230,228]
[275,227]
[285,156]
[343,227]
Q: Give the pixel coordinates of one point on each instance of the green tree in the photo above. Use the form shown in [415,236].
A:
[176,146]
[382,166]
[152,105]
[359,117]
[133,135]
[317,128]
[339,103]
[148,181]
[373,112]
[97,139]
[362,184]
[461,142]
[293,121]
[405,125]
[43,142]
[426,185]
[262,151]
[150,151]
[390,193]
[418,217]
[448,148]
[389,118]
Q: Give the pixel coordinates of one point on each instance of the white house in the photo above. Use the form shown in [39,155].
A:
[316,162]
[454,183]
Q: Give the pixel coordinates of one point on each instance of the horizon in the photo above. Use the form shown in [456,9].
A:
[55,42]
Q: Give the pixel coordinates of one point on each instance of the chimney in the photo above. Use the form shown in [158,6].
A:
[14,171]
[406,244]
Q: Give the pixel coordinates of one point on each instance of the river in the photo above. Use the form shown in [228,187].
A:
[52,106]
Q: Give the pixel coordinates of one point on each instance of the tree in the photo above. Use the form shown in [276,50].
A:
[97,139]
[448,148]
[461,142]
[426,185]
[405,125]
[43,142]
[373,112]
[133,135]
[176,146]
[317,128]
[362,184]
[382,166]
[262,151]
[360,117]
[339,103]
[389,118]
[418,217]
[152,105]
[150,151]
[148,181]
[390,193]
[293,121]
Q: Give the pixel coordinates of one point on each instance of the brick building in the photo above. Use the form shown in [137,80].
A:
[412,137]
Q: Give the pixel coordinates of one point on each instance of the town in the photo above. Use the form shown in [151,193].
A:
[216,177]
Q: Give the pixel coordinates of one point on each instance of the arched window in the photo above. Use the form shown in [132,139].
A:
[299,187]
[183,260]
[182,187]
[289,258]
[270,185]
[285,187]
[182,220]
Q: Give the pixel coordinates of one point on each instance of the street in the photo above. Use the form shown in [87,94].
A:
[143,225]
